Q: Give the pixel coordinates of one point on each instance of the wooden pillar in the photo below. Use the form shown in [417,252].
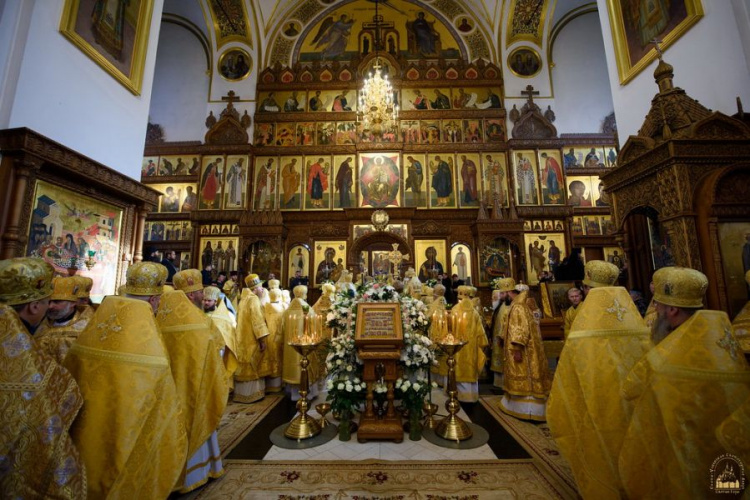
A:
[13,239]
[138,236]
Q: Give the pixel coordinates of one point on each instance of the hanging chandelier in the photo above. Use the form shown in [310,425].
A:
[377,110]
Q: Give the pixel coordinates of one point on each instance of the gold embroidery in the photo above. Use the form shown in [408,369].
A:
[110,325]
[729,343]
[618,310]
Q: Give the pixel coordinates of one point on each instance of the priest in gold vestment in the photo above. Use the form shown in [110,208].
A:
[131,433]
[250,340]
[686,386]
[469,360]
[437,306]
[586,418]
[272,358]
[194,345]
[190,281]
[65,320]
[741,325]
[498,326]
[526,379]
[322,307]
[224,321]
[38,399]
[84,291]
[293,327]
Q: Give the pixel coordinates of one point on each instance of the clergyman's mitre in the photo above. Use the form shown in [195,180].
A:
[599,273]
[680,287]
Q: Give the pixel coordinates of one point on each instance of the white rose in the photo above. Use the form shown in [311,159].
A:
[348,368]
[340,386]
[357,387]
[416,386]
[329,384]
[339,362]
[434,384]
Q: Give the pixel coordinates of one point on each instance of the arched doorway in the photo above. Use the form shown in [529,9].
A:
[367,251]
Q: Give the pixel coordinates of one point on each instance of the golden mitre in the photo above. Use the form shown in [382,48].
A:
[177,311]
[145,278]
[273,284]
[188,280]
[24,280]
[211,293]
[607,309]
[66,288]
[327,288]
[680,287]
[228,285]
[464,290]
[86,285]
[505,284]
[253,280]
[300,292]
[168,288]
[599,273]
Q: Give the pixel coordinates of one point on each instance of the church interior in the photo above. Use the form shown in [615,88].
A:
[406,143]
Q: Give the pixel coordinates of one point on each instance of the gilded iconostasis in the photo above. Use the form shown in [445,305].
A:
[474,140]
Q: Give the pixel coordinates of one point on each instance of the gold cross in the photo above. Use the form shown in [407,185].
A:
[729,343]
[107,326]
[656,43]
[617,310]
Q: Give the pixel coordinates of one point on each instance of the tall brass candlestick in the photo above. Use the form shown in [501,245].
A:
[452,427]
[303,426]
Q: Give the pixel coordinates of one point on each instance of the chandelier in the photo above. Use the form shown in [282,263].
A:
[377,110]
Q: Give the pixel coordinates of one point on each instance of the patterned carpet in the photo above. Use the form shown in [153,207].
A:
[545,475]
[377,480]
[239,419]
[535,438]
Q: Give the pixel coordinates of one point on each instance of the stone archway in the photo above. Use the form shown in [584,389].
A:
[379,240]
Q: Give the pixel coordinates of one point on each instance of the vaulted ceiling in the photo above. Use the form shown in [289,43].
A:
[257,23]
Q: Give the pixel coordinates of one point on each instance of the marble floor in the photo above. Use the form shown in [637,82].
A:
[406,450]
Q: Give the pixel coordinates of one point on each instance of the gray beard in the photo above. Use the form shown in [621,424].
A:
[660,329]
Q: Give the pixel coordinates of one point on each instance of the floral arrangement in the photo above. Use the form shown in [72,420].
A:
[346,390]
[495,283]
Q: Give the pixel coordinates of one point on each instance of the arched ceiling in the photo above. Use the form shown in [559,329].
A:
[258,23]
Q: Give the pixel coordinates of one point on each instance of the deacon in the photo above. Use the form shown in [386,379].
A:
[198,371]
[469,360]
[685,387]
[272,358]
[132,433]
[501,305]
[250,340]
[38,399]
[437,306]
[526,379]
[293,327]
[586,417]
[575,297]
[223,320]
[64,321]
